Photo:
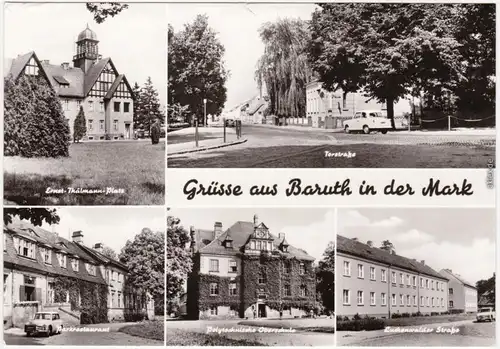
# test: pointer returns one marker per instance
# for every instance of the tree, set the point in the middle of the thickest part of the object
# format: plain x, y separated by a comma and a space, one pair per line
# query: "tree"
35, 215
144, 257
109, 252
146, 106
103, 10
196, 68
80, 126
179, 261
34, 122
386, 50
325, 278
387, 245
284, 66
155, 132
486, 288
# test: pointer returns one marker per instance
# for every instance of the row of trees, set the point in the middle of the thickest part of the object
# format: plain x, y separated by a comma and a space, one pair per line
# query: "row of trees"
196, 71
389, 51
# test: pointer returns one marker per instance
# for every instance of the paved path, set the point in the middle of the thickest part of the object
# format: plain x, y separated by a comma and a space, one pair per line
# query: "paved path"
16, 336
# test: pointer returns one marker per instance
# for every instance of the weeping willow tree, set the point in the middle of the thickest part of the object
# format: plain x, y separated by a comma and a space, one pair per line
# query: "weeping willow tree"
284, 68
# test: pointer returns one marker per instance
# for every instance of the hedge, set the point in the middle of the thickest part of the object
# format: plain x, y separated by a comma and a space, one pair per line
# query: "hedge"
365, 324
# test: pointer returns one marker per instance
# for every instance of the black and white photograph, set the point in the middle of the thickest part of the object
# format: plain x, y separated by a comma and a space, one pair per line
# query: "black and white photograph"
331, 85
84, 104
250, 277
416, 277
84, 276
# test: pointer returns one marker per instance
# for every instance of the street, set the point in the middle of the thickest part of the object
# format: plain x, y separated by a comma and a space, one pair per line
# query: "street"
294, 148
469, 334
16, 336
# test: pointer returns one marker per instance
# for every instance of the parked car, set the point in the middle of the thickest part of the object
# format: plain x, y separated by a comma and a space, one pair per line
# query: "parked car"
485, 314
367, 121
44, 322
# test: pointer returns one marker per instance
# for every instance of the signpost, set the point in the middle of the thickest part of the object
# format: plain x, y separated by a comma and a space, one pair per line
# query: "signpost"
205, 123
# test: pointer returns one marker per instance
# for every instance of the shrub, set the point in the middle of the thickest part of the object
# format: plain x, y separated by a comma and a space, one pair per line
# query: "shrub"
396, 316
79, 127
34, 122
361, 325
405, 315
155, 133
356, 317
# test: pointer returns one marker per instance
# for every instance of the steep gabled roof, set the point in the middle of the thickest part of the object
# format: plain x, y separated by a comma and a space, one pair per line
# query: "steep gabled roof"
240, 233
450, 275
102, 258
74, 76
93, 74
115, 85
17, 65
359, 249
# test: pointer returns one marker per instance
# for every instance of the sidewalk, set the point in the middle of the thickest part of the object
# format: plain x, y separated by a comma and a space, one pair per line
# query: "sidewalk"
300, 128
454, 132
355, 337
207, 144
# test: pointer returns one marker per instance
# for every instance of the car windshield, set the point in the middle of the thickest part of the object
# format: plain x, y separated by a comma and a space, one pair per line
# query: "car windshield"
43, 316
485, 310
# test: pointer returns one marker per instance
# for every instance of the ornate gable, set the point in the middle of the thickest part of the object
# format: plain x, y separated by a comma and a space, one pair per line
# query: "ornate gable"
104, 81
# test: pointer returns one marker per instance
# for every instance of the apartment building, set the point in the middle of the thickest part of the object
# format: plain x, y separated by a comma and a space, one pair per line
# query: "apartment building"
378, 282
462, 295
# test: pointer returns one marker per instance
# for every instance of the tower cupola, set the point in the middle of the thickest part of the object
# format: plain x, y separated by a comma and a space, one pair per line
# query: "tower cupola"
87, 50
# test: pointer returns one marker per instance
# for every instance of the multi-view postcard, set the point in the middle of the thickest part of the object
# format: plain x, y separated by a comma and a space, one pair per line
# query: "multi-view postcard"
331, 85
84, 104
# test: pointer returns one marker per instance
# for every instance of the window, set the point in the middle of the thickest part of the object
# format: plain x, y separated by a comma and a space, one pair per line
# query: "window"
422, 301
288, 268
262, 277
415, 301
25, 248
214, 289
115, 125
414, 281
408, 280
442, 302
252, 245
421, 283
302, 269
432, 301
91, 269
393, 299
393, 277
427, 283
62, 260
401, 279
91, 105
46, 255
383, 298
65, 104
213, 310
116, 107
450, 291
372, 298
408, 300
113, 275
287, 290
401, 299
451, 304
372, 273
361, 271
233, 268
91, 124
101, 107
101, 124
432, 284
259, 245
232, 288
74, 264
347, 268
360, 298
303, 291
346, 297
126, 107
428, 301
214, 265
383, 275
113, 299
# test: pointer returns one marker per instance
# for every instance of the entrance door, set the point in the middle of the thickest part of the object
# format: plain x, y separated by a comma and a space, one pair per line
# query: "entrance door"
262, 310
127, 131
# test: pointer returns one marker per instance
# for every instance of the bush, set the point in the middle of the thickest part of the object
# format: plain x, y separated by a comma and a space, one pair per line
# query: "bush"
361, 325
155, 133
396, 316
405, 315
34, 122
79, 127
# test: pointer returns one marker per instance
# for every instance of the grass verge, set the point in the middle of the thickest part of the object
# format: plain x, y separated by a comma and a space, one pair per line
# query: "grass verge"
147, 329
184, 338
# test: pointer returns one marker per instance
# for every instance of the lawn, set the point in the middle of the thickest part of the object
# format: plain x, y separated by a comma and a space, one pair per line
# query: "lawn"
135, 169
324, 325
177, 337
146, 329
424, 320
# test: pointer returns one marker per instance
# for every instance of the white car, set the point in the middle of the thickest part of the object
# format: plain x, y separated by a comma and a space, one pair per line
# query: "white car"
368, 120
44, 322
485, 314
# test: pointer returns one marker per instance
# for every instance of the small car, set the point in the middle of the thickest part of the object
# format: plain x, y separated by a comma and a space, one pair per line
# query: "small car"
46, 323
485, 314
367, 121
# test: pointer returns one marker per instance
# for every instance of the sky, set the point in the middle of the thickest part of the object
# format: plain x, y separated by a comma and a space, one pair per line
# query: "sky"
310, 229
135, 39
462, 240
237, 26
112, 226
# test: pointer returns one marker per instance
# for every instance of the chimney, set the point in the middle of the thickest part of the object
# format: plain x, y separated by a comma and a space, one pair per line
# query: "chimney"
77, 236
65, 65
217, 230
45, 61
98, 247
422, 261
354, 239
369, 243
281, 236
255, 220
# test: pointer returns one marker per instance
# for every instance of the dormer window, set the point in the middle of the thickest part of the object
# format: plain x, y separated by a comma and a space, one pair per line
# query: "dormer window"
46, 255
91, 269
74, 264
62, 260
302, 269
24, 248
229, 244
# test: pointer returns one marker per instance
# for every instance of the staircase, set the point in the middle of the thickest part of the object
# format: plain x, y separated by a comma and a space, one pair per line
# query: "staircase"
68, 317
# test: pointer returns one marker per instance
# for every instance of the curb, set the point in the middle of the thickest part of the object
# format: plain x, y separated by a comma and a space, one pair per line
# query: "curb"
206, 148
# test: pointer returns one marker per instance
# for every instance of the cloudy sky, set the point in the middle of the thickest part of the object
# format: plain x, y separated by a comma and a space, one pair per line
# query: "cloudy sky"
308, 228
135, 39
462, 240
112, 226
238, 25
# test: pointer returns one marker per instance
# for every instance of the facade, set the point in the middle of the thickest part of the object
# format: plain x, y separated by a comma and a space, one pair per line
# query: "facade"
254, 111
326, 109
92, 82
247, 272
43, 271
462, 295
376, 282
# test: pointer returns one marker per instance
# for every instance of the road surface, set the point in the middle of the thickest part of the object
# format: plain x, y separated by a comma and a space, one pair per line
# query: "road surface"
291, 148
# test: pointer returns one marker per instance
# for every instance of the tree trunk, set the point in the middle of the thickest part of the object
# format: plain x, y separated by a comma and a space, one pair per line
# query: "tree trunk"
390, 111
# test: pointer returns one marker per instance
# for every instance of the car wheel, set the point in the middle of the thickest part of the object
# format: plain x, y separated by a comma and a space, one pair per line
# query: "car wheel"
28, 334
49, 332
59, 329
346, 129
384, 132
366, 129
